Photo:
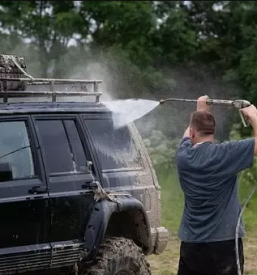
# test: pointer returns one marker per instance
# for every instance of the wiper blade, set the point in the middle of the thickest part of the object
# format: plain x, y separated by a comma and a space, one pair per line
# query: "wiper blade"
14, 151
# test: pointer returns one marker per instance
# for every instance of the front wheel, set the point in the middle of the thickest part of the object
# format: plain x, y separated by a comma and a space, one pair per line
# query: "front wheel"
119, 256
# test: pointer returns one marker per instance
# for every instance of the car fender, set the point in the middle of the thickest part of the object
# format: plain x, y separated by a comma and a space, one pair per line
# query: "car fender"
99, 218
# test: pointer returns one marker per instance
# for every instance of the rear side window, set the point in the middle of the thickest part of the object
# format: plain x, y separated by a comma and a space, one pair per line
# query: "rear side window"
62, 146
15, 149
115, 147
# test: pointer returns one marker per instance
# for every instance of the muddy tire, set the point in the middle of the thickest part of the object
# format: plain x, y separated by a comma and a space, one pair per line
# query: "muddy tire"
119, 256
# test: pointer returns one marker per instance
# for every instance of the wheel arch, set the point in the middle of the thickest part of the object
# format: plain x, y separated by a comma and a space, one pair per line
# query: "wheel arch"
127, 218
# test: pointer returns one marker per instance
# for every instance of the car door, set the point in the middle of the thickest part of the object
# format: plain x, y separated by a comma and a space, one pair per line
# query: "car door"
67, 162
120, 158
23, 198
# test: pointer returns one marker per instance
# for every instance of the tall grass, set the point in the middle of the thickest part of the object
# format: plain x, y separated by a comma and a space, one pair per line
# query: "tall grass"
172, 199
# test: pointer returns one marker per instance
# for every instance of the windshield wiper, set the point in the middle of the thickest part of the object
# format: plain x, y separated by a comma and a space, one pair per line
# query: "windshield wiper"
14, 151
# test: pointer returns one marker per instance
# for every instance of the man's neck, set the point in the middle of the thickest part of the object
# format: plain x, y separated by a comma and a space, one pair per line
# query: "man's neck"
203, 139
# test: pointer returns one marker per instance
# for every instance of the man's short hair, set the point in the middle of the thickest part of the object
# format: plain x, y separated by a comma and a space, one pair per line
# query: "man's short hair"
203, 123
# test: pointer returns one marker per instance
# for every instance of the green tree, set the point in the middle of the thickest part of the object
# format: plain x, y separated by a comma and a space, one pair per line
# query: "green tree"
49, 25
126, 24
162, 150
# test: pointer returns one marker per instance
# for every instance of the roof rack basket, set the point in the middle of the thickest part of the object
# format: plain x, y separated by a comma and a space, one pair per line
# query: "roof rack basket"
83, 84
14, 81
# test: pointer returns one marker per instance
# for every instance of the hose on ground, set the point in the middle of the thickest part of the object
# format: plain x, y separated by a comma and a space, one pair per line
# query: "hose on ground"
238, 226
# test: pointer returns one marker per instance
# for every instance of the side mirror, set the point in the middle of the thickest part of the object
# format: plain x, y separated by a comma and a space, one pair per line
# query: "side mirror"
5, 172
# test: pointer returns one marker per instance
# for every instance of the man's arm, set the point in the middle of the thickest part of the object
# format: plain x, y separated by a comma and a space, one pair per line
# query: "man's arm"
187, 133
238, 155
255, 137
251, 114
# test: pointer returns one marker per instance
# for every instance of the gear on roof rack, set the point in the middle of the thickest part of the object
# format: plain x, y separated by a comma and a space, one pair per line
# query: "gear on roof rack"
12, 67
14, 81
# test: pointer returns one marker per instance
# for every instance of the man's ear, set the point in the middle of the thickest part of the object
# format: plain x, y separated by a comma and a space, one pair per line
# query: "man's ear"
191, 133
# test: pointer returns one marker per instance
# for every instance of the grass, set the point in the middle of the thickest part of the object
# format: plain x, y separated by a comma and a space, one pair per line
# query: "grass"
172, 207
172, 200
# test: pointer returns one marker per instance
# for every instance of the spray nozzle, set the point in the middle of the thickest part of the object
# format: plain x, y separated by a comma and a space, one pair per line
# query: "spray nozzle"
239, 104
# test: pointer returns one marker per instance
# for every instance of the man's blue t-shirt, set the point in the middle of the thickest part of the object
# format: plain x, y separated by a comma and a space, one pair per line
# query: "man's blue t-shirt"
208, 178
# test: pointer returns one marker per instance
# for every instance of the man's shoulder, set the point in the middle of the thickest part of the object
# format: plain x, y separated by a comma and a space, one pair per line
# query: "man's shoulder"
236, 144
237, 154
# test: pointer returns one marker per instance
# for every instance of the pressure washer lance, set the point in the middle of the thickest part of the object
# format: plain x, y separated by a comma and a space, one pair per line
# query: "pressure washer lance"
238, 104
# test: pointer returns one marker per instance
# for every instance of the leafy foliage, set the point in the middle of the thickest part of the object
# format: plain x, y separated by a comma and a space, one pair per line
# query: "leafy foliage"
162, 150
49, 25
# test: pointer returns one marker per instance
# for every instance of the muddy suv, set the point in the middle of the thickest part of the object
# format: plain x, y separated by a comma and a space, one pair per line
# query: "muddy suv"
76, 193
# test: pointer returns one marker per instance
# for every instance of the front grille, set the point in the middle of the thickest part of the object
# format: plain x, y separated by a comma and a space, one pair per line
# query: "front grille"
25, 259
65, 254
29, 258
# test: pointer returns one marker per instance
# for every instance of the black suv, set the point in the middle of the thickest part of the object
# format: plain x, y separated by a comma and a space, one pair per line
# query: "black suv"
76, 194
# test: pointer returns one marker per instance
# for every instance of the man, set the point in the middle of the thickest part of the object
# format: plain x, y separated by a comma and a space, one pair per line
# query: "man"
208, 178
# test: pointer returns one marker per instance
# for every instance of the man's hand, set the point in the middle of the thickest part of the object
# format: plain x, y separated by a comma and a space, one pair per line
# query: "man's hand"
250, 113
202, 105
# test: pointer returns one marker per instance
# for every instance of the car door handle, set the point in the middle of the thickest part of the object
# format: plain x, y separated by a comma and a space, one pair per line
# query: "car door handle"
38, 190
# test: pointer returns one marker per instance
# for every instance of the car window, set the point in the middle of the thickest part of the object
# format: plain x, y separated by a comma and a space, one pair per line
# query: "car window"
62, 146
15, 149
115, 147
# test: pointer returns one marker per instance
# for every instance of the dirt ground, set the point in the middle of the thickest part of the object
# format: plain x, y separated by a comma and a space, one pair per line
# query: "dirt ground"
166, 263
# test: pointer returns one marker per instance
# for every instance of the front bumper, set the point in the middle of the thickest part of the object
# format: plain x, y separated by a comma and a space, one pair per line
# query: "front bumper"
159, 238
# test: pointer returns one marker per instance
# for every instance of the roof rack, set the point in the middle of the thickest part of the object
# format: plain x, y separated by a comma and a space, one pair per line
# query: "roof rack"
14, 81
53, 91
